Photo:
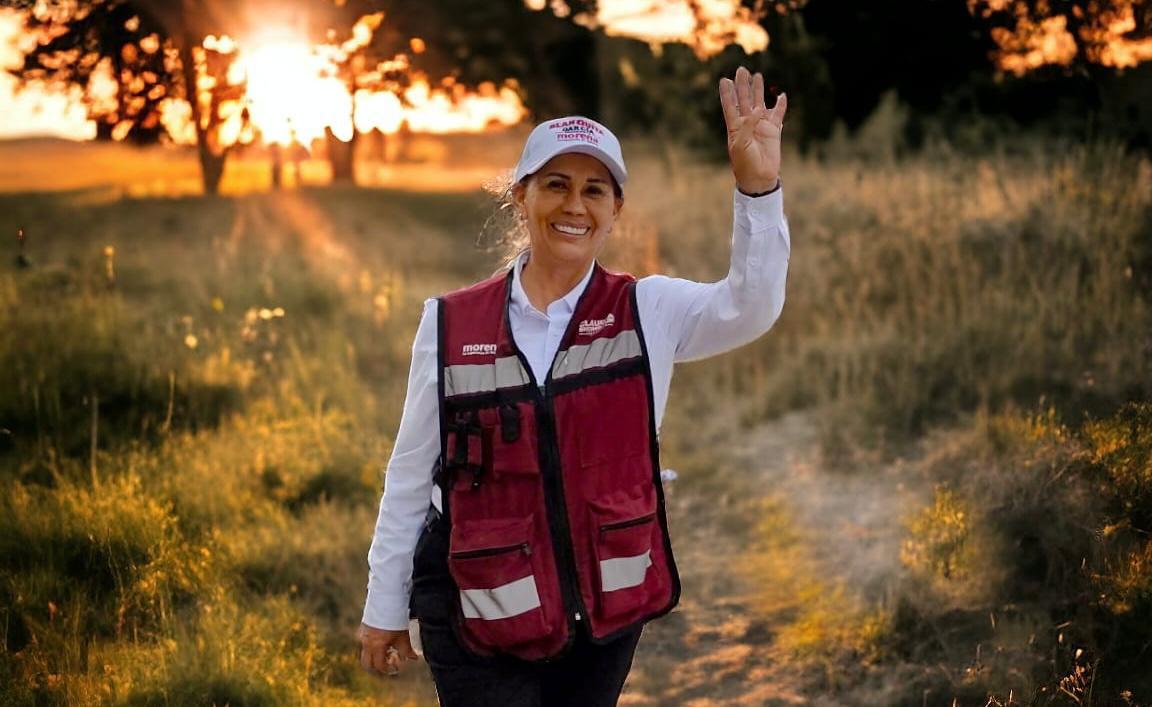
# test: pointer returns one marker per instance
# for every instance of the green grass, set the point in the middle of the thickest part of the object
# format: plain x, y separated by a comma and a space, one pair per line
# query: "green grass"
196, 422
194, 446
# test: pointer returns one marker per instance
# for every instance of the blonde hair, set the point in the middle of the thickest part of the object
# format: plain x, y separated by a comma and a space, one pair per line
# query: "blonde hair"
504, 232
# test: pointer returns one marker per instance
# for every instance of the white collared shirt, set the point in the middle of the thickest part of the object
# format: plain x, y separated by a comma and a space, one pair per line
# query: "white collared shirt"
537, 333
681, 320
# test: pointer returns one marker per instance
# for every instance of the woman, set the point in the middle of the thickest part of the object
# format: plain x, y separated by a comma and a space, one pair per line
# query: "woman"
545, 548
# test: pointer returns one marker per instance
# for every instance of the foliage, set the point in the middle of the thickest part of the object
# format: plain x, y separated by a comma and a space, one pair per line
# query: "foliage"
939, 538
1059, 586
1032, 33
129, 47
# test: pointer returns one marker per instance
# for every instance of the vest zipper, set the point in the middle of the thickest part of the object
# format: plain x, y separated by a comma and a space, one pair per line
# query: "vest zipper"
485, 552
564, 548
621, 524
550, 468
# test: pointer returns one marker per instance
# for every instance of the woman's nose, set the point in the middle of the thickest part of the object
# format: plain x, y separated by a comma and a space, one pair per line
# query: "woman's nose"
574, 202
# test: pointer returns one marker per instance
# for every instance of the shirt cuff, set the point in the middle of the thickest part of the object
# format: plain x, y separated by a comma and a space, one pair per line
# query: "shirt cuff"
385, 611
761, 212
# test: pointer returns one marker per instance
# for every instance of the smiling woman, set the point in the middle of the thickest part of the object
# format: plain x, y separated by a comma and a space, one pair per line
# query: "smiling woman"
523, 521
569, 206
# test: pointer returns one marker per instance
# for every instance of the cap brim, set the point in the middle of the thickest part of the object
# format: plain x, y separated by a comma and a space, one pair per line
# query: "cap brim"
617, 170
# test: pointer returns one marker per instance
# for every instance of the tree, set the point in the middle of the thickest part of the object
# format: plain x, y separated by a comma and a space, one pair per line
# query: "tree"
1076, 33
151, 53
98, 44
474, 41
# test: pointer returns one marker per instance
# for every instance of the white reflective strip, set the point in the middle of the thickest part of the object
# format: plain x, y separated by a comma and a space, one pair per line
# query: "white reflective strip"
501, 602
599, 353
623, 572
465, 378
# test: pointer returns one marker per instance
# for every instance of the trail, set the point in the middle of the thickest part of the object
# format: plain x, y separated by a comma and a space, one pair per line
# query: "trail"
717, 647
287, 220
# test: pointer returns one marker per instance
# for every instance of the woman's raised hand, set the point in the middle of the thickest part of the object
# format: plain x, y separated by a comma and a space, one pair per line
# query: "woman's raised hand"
753, 131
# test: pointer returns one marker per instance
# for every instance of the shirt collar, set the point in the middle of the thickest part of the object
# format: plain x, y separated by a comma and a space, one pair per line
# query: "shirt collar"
567, 303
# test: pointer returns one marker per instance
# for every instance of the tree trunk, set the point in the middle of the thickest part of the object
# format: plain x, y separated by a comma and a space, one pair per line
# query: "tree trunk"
211, 168
277, 165
340, 156
211, 163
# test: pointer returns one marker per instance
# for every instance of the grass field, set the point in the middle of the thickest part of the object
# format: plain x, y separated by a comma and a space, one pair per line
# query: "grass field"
930, 482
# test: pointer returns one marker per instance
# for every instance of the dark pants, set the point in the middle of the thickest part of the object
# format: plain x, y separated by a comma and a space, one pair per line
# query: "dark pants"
588, 675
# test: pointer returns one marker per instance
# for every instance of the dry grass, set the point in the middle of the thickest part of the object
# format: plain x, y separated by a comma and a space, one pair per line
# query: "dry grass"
196, 423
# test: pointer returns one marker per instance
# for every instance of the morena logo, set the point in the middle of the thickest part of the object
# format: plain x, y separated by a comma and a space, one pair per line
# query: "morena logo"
479, 350
577, 129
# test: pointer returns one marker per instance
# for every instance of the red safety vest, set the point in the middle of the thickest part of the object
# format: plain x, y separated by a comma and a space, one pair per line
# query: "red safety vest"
553, 489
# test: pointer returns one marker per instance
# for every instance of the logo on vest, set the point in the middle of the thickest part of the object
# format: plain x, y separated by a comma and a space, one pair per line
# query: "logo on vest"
479, 350
591, 327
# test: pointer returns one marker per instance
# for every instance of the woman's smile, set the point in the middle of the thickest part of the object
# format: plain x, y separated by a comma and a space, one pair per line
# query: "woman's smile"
571, 229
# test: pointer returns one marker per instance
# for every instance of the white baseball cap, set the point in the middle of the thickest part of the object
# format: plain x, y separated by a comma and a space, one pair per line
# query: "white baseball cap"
574, 133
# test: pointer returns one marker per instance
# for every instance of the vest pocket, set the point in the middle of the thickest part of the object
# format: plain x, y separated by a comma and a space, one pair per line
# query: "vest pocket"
495, 570
613, 419
624, 529
510, 439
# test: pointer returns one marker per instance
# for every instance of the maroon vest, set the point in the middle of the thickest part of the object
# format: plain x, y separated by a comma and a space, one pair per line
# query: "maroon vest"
552, 488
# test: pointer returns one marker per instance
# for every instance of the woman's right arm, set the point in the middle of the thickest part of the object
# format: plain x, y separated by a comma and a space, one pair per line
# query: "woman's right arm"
407, 487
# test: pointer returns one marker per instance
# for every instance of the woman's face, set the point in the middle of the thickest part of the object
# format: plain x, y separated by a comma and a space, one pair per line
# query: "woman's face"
569, 206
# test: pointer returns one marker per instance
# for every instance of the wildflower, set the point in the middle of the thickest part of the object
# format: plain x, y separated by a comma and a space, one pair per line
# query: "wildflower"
110, 264
22, 260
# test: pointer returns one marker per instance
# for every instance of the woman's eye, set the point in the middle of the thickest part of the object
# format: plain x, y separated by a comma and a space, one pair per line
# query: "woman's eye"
594, 191
556, 184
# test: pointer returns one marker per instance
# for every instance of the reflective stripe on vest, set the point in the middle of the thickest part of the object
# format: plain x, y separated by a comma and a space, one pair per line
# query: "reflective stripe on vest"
624, 572
598, 354
468, 379
501, 602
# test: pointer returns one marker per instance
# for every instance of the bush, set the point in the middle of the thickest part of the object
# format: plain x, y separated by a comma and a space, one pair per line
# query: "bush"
1061, 582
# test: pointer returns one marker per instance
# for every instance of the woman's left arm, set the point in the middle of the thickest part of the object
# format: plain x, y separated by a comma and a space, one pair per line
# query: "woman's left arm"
703, 319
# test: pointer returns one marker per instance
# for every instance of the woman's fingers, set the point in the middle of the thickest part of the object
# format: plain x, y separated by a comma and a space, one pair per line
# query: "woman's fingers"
406, 651
374, 658
758, 91
383, 651
744, 91
778, 111
392, 661
728, 103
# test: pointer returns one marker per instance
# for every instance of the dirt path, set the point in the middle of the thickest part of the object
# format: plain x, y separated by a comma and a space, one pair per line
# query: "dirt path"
715, 649
287, 220
718, 647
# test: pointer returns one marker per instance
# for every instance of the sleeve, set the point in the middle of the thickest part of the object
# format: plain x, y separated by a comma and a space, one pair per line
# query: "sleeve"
704, 319
407, 487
